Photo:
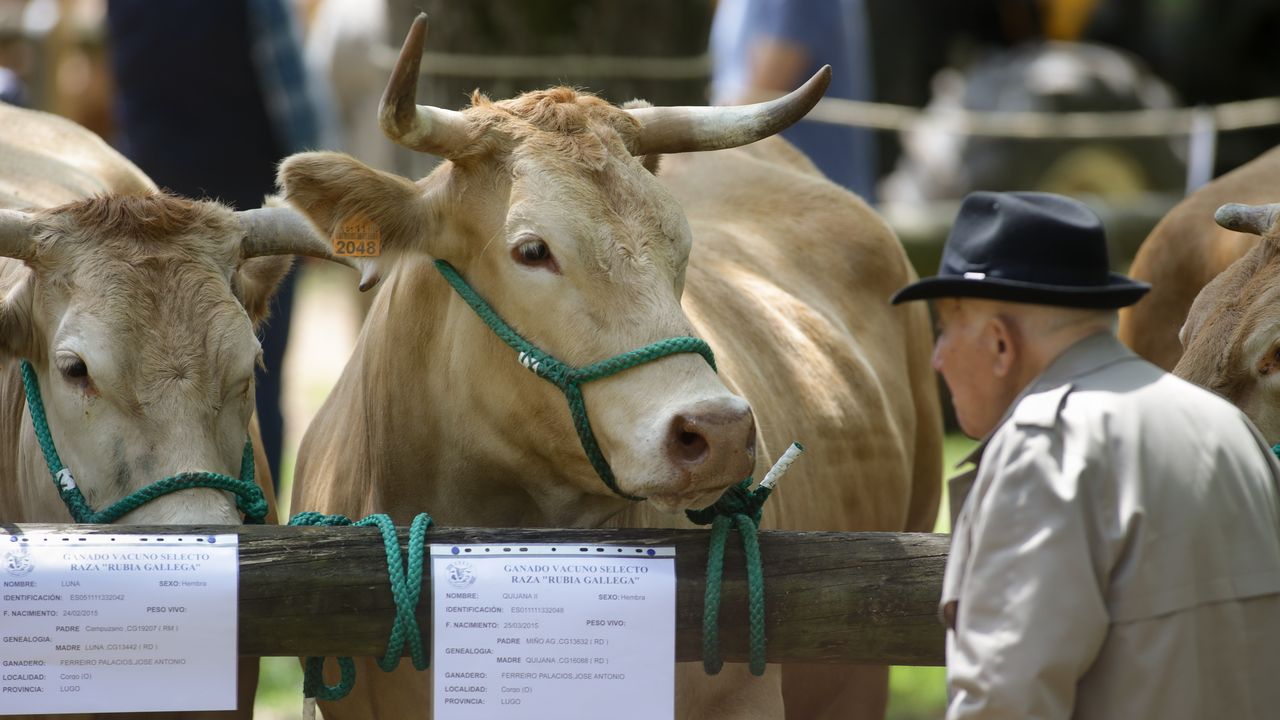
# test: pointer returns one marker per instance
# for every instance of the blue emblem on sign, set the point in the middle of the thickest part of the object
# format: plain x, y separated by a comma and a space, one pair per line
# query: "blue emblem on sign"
17, 561
461, 574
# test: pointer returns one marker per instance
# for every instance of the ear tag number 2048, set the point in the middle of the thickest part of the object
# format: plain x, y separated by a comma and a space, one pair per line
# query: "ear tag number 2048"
357, 236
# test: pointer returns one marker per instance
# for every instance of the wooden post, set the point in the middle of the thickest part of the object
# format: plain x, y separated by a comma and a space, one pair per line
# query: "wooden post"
830, 597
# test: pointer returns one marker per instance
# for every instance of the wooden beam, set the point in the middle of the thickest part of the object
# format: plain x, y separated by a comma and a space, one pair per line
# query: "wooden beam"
830, 597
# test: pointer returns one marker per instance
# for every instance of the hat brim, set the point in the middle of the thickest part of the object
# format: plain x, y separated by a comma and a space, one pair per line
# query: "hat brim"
1121, 291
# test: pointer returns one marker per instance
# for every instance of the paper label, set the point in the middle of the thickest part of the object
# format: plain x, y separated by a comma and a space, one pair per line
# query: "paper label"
553, 631
357, 236
117, 623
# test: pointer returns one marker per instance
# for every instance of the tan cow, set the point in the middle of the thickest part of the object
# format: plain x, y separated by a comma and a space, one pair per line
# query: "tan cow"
137, 311
552, 208
1185, 251
1231, 337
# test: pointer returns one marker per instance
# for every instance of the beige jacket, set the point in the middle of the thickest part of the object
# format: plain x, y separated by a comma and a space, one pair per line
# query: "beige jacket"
1118, 555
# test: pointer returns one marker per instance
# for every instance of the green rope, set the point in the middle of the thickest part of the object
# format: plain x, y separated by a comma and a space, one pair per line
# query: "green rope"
739, 507
406, 588
568, 378
249, 497
406, 575
1275, 449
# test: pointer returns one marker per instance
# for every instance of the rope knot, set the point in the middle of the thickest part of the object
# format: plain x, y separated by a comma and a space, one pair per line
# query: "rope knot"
530, 362
405, 575
545, 367
739, 507
739, 499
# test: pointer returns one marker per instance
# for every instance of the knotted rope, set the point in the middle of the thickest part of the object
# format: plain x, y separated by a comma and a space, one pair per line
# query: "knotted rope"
406, 587
249, 497
739, 507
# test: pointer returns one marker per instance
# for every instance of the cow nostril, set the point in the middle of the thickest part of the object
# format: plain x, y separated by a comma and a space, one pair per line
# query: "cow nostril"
693, 447
688, 446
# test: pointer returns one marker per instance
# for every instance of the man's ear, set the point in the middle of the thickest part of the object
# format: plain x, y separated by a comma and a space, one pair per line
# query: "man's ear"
1002, 335
17, 325
256, 282
336, 191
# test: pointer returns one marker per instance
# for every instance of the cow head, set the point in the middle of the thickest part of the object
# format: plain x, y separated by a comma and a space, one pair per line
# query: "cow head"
138, 316
1231, 338
550, 209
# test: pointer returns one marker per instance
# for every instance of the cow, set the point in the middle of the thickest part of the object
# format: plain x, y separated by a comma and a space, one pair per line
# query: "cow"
137, 311
1231, 339
553, 208
1186, 250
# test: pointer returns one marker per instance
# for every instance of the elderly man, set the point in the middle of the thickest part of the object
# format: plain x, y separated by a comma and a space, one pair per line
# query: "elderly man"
1116, 552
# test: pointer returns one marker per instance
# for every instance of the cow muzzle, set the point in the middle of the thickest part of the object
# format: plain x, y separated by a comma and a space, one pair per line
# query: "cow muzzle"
711, 445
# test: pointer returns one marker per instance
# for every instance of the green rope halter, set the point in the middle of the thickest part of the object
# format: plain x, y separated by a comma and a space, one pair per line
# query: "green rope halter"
738, 506
406, 587
249, 498
568, 378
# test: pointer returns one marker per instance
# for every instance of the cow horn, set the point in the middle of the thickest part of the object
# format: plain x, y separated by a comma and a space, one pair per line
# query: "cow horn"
1256, 219
15, 235
419, 127
283, 231
689, 129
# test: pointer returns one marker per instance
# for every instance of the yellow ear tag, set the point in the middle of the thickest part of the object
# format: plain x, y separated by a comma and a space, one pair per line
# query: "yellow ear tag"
357, 236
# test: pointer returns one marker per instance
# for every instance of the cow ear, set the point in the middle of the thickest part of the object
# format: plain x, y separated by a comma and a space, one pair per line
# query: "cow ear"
256, 282
336, 192
17, 329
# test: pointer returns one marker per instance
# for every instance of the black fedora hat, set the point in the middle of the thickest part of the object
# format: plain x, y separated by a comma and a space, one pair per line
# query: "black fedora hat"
1027, 247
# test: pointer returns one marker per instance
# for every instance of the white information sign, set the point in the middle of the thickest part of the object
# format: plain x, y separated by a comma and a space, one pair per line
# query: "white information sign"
553, 631
117, 623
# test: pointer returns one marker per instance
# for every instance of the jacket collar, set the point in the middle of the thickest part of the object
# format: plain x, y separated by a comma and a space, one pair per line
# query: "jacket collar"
1085, 356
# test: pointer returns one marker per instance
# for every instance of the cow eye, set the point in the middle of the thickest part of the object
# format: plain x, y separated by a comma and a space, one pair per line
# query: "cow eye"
72, 367
533, 252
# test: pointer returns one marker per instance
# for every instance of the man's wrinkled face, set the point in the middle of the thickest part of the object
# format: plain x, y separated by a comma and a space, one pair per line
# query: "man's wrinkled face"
967, 354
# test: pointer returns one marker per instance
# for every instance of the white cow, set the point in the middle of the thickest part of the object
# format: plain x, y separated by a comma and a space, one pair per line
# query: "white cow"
552, 207
137, 312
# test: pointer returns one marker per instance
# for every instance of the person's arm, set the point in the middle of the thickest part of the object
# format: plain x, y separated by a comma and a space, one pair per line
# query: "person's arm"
1031, 613
777, 65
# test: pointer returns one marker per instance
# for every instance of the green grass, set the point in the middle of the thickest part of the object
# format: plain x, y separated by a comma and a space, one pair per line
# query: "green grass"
279, 689
920, 693
915, 693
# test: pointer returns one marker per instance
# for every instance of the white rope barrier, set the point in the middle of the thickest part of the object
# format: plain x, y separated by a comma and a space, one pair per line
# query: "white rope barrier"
1174, 122
1239, 115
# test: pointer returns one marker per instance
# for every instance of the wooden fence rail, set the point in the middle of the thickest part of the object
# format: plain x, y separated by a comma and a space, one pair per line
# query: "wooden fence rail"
830, 597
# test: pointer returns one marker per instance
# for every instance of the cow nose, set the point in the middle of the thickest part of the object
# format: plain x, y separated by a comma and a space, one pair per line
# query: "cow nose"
714, 441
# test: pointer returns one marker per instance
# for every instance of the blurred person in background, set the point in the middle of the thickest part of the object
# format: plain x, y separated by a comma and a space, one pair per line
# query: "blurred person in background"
768, 47
210, 97
11, 88
341, 41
